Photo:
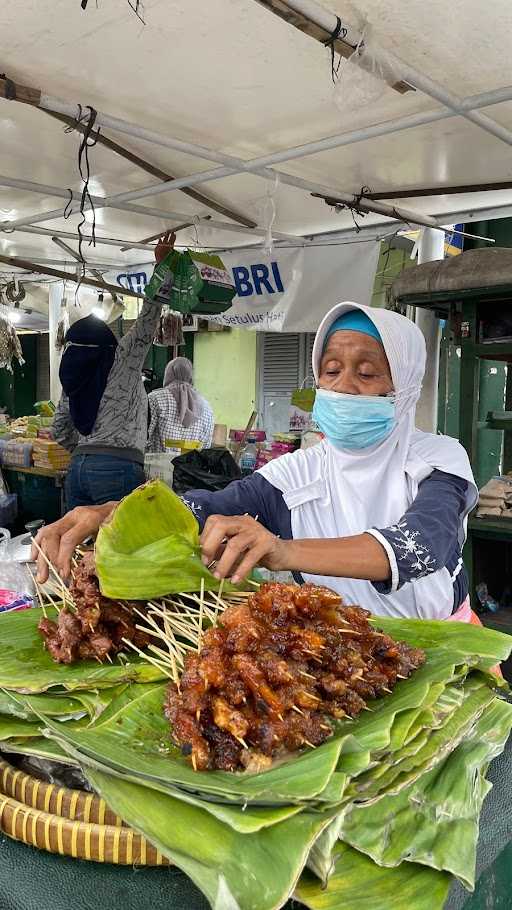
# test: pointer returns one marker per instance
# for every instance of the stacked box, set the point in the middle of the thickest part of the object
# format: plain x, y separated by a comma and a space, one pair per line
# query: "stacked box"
50, 455
16, 453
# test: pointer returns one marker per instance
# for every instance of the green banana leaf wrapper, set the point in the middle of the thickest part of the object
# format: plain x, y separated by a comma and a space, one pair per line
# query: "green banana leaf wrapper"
385, 811
150, 548
383, 814
26, 667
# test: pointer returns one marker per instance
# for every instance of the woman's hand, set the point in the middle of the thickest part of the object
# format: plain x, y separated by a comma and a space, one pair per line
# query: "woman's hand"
233, 546
58, 540
165, 245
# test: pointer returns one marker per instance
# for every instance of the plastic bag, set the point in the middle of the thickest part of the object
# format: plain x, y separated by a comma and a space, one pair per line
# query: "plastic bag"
169, 332
209, 469
364, 78
58, 773
16, 586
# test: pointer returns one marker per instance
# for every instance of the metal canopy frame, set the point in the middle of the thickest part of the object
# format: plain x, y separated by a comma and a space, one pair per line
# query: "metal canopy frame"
322, 22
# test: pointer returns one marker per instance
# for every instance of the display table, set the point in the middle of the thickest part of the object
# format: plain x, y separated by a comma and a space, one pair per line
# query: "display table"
33, 880
40, 492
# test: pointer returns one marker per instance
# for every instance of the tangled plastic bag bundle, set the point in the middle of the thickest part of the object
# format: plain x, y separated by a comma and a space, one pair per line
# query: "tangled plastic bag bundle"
169, 332
365, 77
10, 346
53, 772
16, 584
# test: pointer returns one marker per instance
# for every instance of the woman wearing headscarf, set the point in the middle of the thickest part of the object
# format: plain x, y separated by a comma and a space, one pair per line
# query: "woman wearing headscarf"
102, 414
178, 412
377, 510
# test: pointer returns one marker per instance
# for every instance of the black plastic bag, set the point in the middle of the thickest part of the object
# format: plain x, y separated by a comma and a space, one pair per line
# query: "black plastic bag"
208, 469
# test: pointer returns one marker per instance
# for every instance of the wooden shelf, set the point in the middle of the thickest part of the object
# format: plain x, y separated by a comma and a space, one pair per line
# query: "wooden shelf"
40, 472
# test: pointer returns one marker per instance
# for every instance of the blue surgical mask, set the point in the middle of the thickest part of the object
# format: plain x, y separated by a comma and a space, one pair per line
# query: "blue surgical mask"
353, 421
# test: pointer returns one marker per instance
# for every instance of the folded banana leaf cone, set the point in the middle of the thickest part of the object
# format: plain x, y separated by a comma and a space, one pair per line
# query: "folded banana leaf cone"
150, 548
383, 814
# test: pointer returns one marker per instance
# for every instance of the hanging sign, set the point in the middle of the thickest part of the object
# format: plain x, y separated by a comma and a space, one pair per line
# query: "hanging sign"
285, 290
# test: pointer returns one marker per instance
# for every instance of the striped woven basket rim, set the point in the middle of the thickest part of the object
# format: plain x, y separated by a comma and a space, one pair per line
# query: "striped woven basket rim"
77, 805
70, 822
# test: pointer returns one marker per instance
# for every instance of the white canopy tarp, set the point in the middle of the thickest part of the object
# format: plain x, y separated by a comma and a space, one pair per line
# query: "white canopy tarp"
231, 77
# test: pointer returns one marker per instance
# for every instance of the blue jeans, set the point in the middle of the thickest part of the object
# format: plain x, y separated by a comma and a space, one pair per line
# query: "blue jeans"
95, 479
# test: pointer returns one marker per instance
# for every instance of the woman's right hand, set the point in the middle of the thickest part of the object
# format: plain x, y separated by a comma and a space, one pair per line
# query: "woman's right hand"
165, 245
59, 540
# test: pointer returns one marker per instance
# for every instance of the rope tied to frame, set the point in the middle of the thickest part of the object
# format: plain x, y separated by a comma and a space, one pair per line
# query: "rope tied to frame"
135, 5
339, 31
354, 207
86, 202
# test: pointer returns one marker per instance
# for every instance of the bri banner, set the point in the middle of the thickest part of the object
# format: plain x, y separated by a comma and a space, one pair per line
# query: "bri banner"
286, 290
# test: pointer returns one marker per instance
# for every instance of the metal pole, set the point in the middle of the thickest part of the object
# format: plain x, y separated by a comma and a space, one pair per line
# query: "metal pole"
368, 58
72, 235
67, 276
430, 248
55, 293
109, 202
260, 164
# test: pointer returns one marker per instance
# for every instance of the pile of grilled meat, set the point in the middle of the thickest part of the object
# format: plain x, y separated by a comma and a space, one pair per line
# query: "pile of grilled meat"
91, 626
274, 672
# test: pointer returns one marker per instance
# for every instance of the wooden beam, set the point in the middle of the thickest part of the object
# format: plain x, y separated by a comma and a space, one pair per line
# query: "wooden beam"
155, 171
21, 92
33, 96
76, 256
302, 23
66, 276
440, 190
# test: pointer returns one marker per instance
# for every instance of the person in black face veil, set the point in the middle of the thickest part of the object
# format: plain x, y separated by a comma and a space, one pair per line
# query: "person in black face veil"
102, 416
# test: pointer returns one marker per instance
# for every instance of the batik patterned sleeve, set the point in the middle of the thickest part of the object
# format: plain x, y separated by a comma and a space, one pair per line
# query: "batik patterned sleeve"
428, 535
136, 342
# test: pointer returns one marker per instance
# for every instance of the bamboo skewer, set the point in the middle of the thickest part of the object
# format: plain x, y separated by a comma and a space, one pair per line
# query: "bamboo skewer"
48, 562
40, 599
160, 666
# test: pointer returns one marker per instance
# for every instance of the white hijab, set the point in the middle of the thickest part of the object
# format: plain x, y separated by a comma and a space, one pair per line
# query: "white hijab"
338, 493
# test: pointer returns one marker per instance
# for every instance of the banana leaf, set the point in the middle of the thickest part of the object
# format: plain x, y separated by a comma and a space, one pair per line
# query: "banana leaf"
434, 821
246, 819
14, 726
26, 667
94, 701
235, 871
26, 707
360, 884
412, 762
150, 548
486, 646
38, 746
132, 737
371, 736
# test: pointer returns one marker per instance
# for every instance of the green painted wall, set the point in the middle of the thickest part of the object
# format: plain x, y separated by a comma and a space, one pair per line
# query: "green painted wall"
225, 373
391, 263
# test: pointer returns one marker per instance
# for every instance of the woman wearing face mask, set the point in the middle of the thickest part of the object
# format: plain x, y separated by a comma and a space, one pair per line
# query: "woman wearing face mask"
376, 511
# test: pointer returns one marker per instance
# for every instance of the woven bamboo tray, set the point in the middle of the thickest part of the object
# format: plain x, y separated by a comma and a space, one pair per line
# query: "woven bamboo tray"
69, 822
